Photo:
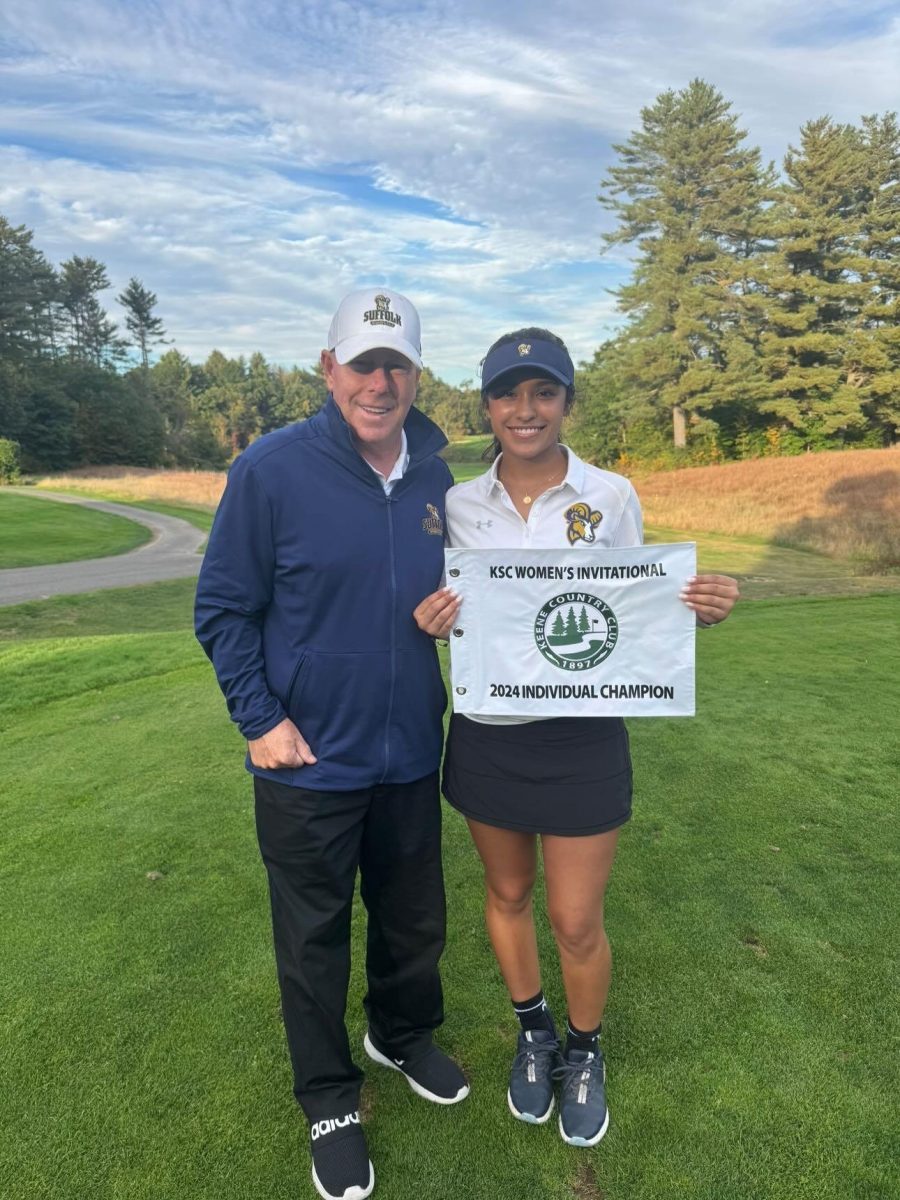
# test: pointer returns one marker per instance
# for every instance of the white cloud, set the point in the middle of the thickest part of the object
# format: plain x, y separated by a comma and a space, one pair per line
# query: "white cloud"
232, 156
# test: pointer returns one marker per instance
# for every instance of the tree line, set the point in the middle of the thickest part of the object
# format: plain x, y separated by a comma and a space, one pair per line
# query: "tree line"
761, 317
762, 310
77, 389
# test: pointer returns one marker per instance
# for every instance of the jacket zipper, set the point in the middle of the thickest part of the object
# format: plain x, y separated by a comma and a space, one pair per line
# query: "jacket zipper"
393, 638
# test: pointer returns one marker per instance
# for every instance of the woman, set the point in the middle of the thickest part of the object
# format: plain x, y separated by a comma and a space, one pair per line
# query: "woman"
566, 780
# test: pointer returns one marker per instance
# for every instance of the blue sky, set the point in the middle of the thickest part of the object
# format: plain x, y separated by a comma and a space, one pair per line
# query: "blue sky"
251, 162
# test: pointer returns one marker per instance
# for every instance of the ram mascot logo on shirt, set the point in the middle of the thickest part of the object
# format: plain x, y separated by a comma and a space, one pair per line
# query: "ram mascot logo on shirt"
582, 520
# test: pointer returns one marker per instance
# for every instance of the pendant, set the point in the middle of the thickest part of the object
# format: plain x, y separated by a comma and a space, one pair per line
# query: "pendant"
526, 499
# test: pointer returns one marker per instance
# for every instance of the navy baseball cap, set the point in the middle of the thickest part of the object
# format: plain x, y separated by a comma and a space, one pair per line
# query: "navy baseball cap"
535, 353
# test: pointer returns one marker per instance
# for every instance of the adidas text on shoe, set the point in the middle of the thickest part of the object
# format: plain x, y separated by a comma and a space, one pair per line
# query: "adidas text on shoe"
341, 1169
583, 1115
530, 1094
433, 1075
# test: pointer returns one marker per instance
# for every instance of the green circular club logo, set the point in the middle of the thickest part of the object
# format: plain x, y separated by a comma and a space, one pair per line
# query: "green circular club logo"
575, 631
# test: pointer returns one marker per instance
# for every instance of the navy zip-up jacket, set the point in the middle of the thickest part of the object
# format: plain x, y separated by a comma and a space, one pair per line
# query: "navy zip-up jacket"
305, 600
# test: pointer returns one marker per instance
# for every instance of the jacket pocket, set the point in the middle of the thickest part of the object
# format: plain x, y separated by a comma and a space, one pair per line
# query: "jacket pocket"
295, 686
338, 701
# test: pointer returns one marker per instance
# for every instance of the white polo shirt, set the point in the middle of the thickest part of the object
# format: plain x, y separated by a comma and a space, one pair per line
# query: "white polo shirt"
480, 513
599, 507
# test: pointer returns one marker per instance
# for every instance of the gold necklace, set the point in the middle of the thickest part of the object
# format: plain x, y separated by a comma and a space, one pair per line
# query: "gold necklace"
549, 482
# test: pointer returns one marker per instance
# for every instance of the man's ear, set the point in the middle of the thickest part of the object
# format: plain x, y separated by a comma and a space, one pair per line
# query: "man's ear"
327, 361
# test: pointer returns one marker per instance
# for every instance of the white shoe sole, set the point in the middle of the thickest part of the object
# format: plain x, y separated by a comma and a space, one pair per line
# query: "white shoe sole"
352, 1193
579, 1141
378, 1057
528, 1118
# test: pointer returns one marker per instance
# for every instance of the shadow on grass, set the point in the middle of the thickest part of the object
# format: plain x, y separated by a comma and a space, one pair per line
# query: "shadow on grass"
851, 549
860, 524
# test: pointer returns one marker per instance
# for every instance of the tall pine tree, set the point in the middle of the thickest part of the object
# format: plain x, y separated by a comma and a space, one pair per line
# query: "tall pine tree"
815, 295
145, 328
28, 288
873, 355
91, 336
689, 194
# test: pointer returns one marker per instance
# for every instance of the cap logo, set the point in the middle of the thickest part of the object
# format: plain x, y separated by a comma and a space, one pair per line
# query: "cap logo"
381, 314
524, 348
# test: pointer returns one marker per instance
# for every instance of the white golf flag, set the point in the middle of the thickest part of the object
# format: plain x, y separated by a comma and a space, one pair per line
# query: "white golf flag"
587, 633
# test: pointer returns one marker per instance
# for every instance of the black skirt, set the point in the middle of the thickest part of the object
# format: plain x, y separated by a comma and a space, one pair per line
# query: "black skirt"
569, 776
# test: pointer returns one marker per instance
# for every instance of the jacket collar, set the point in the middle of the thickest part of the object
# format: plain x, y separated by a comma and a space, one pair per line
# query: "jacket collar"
423, 437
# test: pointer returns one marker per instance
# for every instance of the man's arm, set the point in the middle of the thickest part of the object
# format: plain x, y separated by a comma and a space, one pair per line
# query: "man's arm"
234, 588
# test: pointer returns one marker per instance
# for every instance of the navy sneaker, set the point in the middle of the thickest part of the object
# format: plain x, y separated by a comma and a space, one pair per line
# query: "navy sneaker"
583, 1115
530, 1095
432, 1074
340, 1159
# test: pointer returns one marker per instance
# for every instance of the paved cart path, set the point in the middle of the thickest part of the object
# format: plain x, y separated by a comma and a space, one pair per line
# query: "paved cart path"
171, 554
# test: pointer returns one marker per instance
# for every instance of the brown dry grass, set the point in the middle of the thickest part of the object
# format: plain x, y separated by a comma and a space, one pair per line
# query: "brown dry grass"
143, 483
844, 504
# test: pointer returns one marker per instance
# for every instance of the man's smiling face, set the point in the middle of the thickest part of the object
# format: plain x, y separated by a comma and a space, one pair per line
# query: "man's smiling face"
374, 393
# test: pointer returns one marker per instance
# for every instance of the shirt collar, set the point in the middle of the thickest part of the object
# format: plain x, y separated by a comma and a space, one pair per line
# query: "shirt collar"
399, 467
574, 477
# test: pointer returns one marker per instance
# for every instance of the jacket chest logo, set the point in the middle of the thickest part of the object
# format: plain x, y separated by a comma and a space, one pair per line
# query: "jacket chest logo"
581, 521
433, 523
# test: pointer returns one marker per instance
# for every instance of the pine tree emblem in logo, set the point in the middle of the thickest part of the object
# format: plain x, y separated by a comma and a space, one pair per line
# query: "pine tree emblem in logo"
575, 631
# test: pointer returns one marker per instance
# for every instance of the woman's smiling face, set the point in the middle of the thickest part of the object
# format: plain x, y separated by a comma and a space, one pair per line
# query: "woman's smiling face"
526, 413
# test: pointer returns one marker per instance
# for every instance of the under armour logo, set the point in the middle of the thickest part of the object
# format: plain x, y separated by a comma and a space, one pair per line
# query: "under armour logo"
483, 524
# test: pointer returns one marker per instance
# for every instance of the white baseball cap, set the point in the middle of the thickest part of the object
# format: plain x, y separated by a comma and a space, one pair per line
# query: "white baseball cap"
375, 319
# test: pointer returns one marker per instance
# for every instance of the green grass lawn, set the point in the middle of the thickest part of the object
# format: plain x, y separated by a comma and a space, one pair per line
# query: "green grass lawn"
752, 913
463, 471
33, 532
467, 449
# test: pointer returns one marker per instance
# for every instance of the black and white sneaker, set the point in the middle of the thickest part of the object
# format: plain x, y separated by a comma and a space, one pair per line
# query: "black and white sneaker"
340, 1159
433, 1074
530, 1095
583, 1115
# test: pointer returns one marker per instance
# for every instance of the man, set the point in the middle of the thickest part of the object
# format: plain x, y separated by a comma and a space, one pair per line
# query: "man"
328, 535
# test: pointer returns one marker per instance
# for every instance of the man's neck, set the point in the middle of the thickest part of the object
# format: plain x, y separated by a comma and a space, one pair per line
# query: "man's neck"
380, 458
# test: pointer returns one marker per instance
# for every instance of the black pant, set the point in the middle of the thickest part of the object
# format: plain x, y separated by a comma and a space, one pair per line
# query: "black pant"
312, 844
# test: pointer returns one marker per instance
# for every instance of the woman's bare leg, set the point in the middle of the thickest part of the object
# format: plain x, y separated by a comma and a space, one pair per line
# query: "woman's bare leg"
510, 863
576, 871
